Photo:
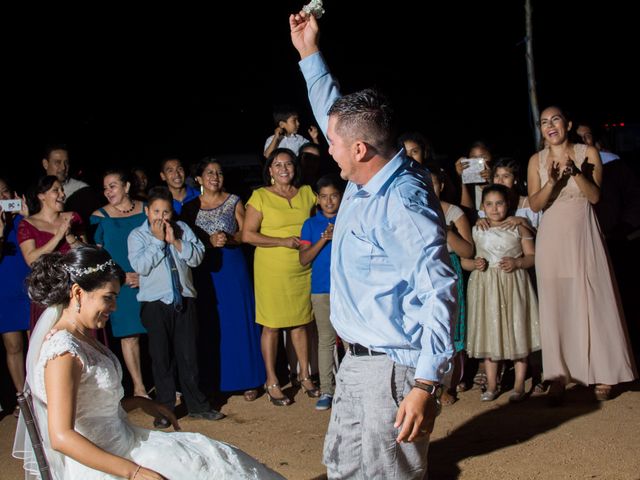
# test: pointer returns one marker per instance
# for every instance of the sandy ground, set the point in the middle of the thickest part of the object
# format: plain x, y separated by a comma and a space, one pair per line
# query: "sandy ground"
580, 440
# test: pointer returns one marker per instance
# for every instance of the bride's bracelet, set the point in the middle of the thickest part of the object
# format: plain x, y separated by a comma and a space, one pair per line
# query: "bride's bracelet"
133, 477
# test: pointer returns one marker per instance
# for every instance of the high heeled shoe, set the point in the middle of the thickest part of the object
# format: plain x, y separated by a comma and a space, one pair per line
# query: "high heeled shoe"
555, 395
311, 392
278, 401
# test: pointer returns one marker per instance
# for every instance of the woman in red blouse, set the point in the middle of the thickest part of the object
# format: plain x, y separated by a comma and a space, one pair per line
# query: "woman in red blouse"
47, 228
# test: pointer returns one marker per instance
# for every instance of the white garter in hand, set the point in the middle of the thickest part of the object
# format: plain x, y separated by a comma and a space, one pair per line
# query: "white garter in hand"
314, 7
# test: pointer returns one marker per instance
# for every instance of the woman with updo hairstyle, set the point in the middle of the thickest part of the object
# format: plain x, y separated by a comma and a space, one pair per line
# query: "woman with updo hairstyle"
54, 274
114, 222
75, 384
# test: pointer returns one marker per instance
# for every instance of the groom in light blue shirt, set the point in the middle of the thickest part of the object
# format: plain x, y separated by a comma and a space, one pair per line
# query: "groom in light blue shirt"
393, 295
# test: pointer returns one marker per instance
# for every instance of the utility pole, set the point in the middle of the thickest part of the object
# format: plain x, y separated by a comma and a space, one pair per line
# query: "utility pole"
531, 77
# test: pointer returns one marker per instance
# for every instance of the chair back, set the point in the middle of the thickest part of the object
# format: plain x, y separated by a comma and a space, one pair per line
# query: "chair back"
26, 409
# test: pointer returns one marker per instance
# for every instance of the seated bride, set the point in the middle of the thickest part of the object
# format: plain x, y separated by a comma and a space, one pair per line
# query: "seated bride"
77, 393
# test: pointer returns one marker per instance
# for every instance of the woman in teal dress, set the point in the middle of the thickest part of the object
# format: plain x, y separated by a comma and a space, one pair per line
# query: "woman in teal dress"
114, 222
460, 245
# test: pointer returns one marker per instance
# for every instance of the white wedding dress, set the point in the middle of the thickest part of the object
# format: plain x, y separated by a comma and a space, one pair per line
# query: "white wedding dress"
101, 419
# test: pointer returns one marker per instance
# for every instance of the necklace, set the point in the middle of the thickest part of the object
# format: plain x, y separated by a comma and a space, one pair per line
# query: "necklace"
129, 210
94, 343
86, 337
288, 195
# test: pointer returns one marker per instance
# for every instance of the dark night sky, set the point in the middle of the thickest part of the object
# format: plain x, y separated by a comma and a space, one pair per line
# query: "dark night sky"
134, 86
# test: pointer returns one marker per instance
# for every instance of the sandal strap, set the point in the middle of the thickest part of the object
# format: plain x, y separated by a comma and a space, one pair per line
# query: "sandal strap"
602, 388
269, 387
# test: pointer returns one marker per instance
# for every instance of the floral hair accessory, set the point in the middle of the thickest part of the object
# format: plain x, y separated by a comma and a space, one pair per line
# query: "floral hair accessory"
80, 272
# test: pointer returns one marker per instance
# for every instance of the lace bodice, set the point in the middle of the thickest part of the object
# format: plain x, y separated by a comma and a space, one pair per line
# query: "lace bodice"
100, 418
496, 243
99, 392
221, 218
568, 187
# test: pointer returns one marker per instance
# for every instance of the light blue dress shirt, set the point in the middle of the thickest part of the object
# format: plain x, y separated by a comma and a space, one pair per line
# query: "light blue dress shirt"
392, 285
147, 257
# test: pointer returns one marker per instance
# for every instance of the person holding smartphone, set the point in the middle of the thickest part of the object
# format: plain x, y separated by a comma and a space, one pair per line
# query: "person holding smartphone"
14, 314
471, 197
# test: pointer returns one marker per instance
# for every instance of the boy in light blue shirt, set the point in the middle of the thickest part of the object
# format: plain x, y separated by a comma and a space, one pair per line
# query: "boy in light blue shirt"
162, 252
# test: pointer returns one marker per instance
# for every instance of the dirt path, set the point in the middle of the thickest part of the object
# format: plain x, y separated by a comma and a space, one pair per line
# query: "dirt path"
472, 441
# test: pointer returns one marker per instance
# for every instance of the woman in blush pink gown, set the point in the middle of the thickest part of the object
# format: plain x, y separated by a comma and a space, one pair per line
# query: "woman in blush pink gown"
584, 337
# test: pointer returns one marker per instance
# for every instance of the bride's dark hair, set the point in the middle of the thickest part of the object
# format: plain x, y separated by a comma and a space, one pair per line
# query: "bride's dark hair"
53, 274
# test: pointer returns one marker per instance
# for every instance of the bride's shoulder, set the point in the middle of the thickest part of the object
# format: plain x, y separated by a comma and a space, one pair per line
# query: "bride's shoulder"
58, 342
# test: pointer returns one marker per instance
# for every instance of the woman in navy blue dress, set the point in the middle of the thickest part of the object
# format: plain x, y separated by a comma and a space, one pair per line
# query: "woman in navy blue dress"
225, 295
14, 314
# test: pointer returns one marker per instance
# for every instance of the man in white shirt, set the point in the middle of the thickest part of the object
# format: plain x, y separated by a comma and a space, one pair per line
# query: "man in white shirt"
56, 163
80, 197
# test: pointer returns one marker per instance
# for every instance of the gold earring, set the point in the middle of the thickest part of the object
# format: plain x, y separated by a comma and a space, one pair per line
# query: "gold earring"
273, 181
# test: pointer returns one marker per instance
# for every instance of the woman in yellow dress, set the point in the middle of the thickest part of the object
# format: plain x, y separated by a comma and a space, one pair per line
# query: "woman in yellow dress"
274, 218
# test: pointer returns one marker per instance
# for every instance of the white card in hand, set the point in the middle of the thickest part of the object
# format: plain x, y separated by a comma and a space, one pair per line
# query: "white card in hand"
471, 174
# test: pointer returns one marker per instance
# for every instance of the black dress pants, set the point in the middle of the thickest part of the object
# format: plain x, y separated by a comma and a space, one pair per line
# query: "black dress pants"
172, 346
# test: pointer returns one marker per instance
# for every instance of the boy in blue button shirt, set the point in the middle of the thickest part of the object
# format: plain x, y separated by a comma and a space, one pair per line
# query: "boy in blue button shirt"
315, 248
163, 252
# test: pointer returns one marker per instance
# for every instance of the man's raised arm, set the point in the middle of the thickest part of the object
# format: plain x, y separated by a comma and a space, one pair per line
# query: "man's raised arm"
321, 86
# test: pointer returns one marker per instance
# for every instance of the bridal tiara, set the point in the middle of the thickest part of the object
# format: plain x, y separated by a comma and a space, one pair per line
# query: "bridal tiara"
80, 272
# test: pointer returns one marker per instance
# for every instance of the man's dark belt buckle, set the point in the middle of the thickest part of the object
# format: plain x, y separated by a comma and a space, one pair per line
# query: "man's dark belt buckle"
360, 350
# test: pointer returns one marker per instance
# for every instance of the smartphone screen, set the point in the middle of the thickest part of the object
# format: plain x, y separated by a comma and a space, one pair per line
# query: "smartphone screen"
471, 174
11, 205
